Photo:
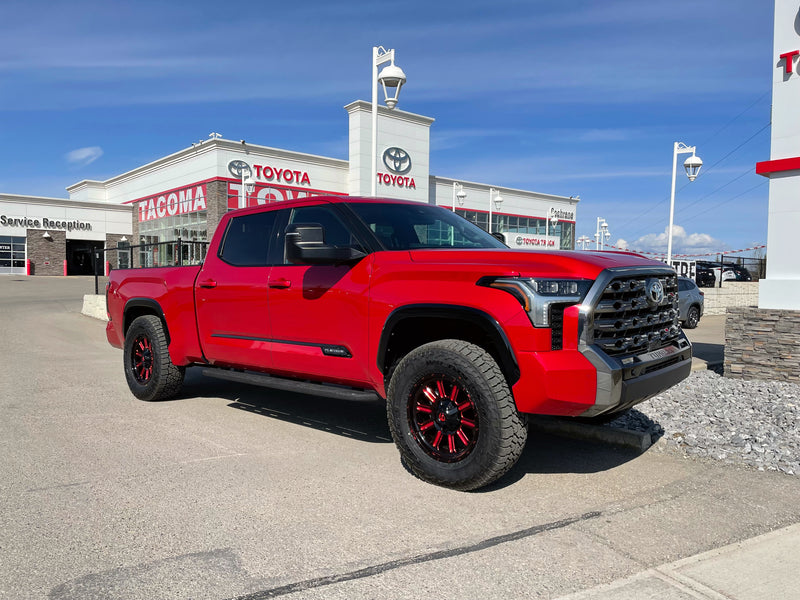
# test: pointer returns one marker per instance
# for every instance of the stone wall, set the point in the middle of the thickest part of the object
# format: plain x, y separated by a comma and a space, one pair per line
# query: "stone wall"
762, 344
47, 255
732, 294
216, 204
112, 255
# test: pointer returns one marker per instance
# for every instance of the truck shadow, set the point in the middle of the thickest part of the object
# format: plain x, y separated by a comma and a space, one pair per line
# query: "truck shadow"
364, 421
713, 354
544, 453
551, 454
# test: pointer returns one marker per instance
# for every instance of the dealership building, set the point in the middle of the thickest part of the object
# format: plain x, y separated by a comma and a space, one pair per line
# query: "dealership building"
185, 194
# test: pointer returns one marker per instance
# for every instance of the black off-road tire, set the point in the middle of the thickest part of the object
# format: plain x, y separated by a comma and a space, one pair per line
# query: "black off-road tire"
692, 318
452, 415
148, 369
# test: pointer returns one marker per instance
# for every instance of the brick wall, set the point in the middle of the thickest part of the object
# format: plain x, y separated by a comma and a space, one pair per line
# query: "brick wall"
47, 254
216, 204
762, 344
112, 241
732, 294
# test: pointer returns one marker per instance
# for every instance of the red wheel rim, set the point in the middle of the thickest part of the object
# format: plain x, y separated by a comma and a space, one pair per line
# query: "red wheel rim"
443, 418
142, 359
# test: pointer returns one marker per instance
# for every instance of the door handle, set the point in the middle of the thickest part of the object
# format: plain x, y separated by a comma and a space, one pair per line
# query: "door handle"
280, 283
208, 283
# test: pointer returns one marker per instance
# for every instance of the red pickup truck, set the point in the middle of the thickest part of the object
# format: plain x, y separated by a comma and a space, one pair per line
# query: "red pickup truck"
356, 298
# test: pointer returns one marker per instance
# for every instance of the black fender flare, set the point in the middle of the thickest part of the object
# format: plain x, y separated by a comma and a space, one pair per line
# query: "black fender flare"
474, 316
152, 306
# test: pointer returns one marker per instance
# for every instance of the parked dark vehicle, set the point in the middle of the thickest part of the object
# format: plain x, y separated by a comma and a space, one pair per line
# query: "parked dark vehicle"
708, 273
741, 273
704, 275
691, 303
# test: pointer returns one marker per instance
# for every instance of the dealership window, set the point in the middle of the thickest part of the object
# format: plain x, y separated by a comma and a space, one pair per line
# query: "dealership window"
12, 254
190, 227
567, 236
123, 255
516, 224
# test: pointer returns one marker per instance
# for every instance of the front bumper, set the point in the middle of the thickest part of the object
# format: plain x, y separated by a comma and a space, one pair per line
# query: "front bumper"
624, 383
585, 382
584, 378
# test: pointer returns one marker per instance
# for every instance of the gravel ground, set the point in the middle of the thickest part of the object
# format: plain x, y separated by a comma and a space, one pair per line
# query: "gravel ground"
750, 423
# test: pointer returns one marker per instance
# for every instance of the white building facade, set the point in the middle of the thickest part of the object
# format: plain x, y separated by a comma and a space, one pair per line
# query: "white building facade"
781, 288
184, 195
52, 236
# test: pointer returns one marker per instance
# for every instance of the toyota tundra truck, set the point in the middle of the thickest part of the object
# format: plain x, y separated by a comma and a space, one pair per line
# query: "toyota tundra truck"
357, 299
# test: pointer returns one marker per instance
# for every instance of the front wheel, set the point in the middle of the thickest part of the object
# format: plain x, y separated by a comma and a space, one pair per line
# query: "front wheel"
452, 415
148, 369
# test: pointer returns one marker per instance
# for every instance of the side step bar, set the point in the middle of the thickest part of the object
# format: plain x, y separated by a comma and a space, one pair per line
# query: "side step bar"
293, 385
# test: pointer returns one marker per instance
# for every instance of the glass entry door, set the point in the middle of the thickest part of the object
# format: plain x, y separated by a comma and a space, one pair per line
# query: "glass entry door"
12, 255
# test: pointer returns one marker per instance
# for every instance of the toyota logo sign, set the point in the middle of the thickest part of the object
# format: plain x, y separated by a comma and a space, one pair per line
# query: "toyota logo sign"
397, 160
237, 167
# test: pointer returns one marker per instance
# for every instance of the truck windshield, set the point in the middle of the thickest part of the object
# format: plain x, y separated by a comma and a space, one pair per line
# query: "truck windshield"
409, 227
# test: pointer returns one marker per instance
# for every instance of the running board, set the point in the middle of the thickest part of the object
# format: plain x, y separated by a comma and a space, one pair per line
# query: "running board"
311, 388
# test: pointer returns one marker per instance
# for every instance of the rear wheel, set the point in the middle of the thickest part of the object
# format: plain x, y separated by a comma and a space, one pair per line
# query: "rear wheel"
453, 417
692, 318
148, 369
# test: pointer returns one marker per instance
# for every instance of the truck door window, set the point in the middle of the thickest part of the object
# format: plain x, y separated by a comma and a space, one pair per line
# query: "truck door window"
247, 240
336, 232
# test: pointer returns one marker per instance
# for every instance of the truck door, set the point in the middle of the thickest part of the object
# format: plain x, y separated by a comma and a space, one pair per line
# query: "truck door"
231, 295
319, 312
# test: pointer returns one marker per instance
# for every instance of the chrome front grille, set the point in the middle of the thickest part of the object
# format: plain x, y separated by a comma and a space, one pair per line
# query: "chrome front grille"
628, 319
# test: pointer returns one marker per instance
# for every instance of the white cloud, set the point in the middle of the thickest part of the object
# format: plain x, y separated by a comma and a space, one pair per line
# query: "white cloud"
83, 156
682, 242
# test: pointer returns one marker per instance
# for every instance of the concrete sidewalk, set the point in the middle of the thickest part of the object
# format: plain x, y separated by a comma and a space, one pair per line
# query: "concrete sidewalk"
764, 567
708, 342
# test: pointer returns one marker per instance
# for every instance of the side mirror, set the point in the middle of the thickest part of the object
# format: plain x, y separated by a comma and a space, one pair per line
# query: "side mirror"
305, 245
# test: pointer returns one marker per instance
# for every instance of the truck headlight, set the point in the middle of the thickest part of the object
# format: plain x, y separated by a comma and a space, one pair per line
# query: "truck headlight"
536, 295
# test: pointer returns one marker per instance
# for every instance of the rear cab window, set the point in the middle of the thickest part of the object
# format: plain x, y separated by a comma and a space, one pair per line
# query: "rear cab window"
247, 239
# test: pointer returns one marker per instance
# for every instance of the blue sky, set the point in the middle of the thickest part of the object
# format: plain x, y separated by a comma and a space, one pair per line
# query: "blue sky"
581, 97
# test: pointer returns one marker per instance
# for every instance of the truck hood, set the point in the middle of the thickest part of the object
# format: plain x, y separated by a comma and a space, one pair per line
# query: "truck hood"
540, 263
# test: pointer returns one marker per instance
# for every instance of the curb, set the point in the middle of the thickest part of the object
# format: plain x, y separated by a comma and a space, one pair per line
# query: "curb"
636, 440
94, 306
759, 567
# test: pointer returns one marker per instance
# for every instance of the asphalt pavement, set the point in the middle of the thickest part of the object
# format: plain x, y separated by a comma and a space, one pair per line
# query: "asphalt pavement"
237, 492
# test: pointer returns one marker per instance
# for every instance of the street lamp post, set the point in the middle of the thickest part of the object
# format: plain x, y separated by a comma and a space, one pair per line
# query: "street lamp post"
601, 233
552, 220
458, 194
391, 78
498, 200
692, 166
583, 240
248, 185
